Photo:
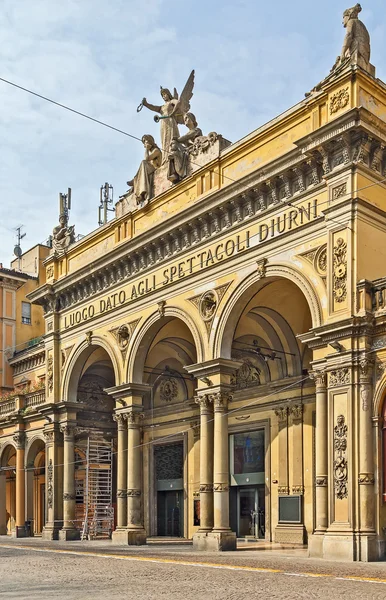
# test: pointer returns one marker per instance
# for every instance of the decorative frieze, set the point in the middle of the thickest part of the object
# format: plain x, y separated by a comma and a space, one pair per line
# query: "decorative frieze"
67, 496
340, 460
298, 490
339, 377
133, 493
283, 490
220, 487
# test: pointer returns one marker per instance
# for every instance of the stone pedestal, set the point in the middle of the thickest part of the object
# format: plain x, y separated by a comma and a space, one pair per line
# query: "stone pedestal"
290, 534
221, 541
127, 537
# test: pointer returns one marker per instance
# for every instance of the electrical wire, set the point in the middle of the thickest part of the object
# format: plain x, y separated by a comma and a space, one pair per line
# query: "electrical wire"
176, 433
81, 114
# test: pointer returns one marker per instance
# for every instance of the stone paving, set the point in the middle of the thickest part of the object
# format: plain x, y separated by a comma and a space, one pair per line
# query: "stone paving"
99, 570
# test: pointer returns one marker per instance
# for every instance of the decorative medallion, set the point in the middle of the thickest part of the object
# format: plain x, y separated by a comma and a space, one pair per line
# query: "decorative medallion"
247, 375
318, 258
123, 333
168, 389
207, 304
339, 100
340, 271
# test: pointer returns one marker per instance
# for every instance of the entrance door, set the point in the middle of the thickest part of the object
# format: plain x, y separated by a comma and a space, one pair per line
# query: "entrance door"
250, 511
170, 513
247, 507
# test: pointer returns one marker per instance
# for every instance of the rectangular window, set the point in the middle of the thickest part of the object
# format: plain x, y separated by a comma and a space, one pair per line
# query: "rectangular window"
247, 457
26, 313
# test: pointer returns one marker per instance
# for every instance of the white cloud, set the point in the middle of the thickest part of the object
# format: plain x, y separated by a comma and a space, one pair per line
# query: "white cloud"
252, 60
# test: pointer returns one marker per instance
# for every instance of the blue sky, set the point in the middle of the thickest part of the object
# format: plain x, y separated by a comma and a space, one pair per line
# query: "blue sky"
253, 59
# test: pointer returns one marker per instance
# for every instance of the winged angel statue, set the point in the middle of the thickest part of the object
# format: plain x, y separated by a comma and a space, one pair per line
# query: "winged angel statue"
172, 113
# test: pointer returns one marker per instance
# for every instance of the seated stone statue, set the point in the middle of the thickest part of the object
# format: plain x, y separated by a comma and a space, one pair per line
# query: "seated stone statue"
178, 161
142, 183
194, 131
62, 235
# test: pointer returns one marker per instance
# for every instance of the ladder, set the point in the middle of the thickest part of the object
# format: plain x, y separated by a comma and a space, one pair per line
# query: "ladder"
98, 493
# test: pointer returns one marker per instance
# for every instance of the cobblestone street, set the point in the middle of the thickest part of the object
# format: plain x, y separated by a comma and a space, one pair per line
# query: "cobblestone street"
97, 570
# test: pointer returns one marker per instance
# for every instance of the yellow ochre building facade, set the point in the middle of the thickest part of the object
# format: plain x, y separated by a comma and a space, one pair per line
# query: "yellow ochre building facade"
222, 340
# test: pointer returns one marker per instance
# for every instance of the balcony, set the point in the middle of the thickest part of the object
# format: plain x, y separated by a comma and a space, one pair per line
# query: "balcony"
378, 295
36, 398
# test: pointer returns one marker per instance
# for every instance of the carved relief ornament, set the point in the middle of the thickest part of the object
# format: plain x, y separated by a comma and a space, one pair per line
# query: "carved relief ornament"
340, 270
340, 460
50, 484
339, 377
282, 414
339, 100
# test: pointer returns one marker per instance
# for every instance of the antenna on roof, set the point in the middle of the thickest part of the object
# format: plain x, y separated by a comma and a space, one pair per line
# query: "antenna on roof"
106, 198
17, 249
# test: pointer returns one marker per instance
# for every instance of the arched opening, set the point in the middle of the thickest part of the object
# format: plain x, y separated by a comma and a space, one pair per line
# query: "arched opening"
262, 333
36, 486
95, 439
167, 348
8, 489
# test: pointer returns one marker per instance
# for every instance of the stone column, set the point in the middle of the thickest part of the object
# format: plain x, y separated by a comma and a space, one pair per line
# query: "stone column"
3, 513
69, 531
54, 484
321, 453
282, 417
366, 450
136, 531
19, 439
221, 537
121, 470
206, 470
315, 544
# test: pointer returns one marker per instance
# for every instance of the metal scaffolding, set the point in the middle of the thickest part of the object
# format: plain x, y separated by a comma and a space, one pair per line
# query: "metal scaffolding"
98, 493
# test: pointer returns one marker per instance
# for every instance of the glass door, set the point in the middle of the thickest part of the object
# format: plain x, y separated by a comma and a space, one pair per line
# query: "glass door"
247, 508
170, 513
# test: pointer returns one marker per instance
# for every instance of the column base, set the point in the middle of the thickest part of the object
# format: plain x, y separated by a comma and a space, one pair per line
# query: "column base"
50, 533
347, 547
315, 545
215, 541
289, 534
19, 532
69, 534
127, 537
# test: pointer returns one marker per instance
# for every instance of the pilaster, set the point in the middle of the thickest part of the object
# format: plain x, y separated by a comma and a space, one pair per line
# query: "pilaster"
54, 483
19, 439
69, 531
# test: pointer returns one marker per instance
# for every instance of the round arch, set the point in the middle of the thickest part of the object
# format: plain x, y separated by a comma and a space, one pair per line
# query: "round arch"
77, 359
32, 445
5, 450
379, 397
223, 334
139, 345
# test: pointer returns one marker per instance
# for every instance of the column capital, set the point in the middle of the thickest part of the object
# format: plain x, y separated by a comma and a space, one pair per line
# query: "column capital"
220, 400
282, 414
366, 365
296, 411
68, 430
19, 439
120, 418
133, 418
205, 401
319, 376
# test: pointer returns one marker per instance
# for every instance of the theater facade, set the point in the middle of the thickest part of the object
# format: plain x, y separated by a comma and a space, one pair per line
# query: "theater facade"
225, 336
